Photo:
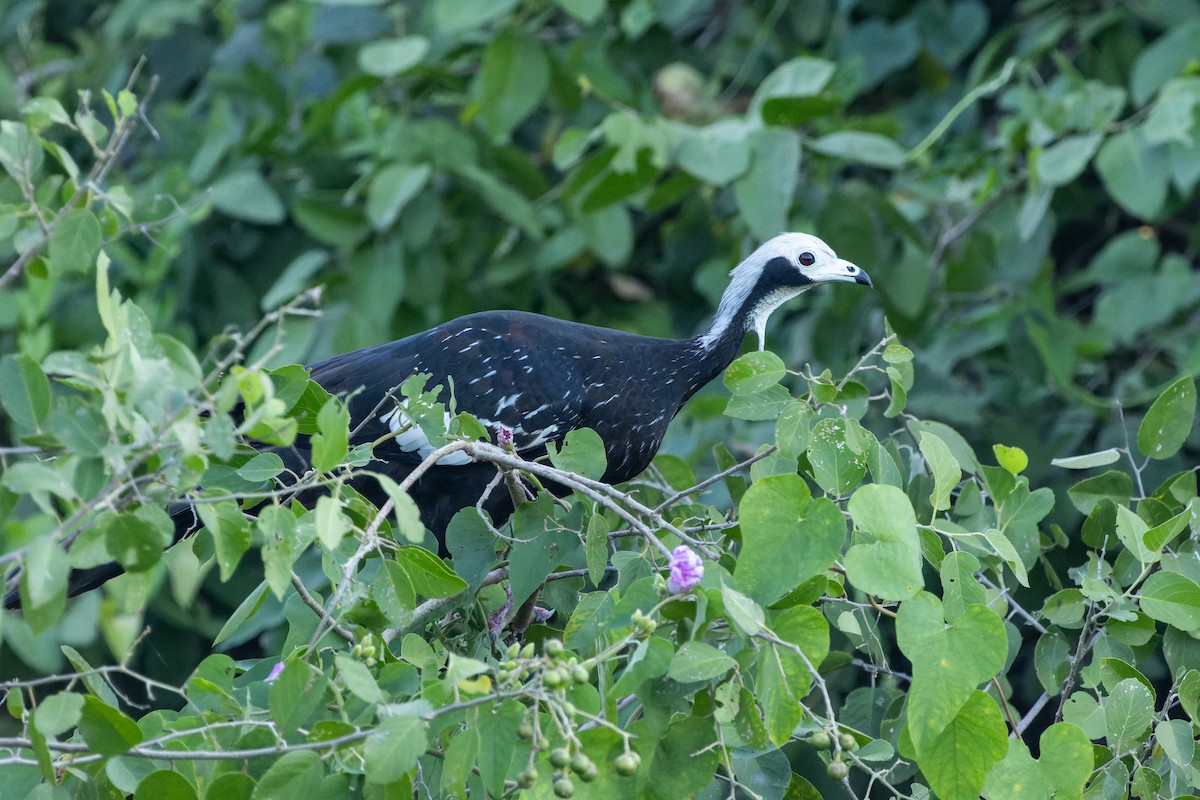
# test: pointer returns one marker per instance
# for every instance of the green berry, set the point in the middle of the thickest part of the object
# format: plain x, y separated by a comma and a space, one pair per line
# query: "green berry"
513, 650
579, 674
527, 651
590, 774
563, 787
821, 740
554, 647
627, 763
525, 730
527, 778
569, 710
848, 742
553, 678
580, 763
542, 744
838, 770
559, 757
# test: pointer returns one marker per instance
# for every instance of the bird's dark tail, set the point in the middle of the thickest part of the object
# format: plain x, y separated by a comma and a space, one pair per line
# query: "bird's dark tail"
186, 520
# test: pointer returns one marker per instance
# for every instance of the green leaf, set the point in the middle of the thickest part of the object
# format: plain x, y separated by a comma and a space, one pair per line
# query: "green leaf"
430, 576
1166, 57
137, 540
945, 468
784, 677
754, 372
872, 149
957, 760
293, 775
787, 537
678, 762
332, 440
230, 532
1112, 485
460, 758
1128, 711
743, 612
764, 194
651, 659
58, 713
949, 661
1175, 738
1100, 458
1131, 530
960, 588
245, 610
717, 154
105, 729
699, 661
765, 405
391, 190
885, 559
1012, 459
245, 195
166, 784
595, 548
294, 279
779, 698
24, 390
1172, 598
1063, 161
1168, 423
358, 678
44, 584
296, 695
511, 81
74, 242
1135, 172
589, 621
799, 78
582, 452
837, 465
394, 747
261, 467
386, 58
404, 509
793, 429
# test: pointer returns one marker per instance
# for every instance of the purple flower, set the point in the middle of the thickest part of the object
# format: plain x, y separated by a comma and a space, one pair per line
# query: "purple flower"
275, 672
504, 437
686, 570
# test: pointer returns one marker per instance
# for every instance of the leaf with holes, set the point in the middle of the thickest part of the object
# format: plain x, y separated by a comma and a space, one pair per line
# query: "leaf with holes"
1168, 423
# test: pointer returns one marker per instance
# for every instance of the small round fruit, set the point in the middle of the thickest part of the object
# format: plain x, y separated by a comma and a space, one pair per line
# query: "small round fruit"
559, 757
563, 787
554, 647
580, 763
821, 740
838, 770
527, 778
627, 763
848, 742
525, 730
590, 774
569, 710
579, 674
542, 744
552, 678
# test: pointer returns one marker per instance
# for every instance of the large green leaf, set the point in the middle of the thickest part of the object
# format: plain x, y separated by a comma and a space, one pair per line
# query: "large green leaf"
787, 537
885, 559
1168, 423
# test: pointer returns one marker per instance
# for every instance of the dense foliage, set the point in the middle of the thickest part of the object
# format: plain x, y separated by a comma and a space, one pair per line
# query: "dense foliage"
949, 531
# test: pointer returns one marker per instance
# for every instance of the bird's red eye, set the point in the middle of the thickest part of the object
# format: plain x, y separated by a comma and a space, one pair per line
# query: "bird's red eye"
807, 259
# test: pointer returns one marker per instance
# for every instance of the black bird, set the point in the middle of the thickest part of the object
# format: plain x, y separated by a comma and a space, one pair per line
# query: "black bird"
537, 378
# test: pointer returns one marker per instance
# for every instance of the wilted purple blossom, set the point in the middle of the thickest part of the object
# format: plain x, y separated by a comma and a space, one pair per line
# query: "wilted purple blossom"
275, 672
504, 437
686, 570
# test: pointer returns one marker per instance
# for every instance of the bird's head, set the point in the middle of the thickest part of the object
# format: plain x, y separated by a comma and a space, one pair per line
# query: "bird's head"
780, 269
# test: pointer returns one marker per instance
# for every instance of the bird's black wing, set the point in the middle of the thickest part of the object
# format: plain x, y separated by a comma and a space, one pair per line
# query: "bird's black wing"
503, 368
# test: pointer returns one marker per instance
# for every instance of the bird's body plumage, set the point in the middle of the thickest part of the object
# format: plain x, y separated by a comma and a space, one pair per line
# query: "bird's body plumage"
536, 378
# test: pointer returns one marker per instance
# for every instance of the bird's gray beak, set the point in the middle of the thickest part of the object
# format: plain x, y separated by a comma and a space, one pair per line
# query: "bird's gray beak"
842, 270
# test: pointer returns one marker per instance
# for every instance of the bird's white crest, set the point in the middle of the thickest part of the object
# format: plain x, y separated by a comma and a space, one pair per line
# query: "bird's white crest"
826, 266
